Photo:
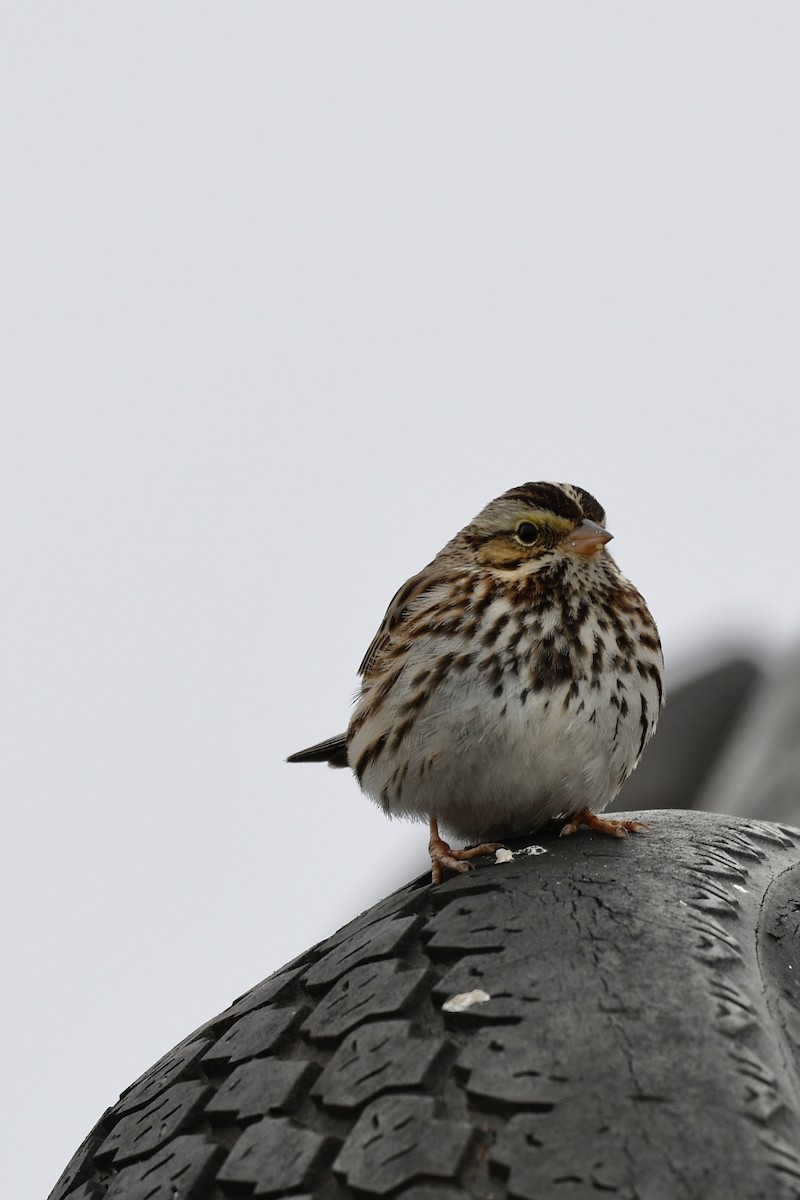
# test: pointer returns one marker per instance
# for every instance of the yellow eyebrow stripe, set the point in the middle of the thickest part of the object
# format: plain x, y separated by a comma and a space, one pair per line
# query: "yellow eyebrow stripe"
559, 524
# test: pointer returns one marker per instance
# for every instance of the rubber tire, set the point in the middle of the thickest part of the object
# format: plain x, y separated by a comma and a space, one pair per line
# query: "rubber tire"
640, 1040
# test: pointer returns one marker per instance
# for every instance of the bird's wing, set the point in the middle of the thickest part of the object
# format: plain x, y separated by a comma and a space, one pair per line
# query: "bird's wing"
411, 590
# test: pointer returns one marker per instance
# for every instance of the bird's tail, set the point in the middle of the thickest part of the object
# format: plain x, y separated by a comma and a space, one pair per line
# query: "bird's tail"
333, 752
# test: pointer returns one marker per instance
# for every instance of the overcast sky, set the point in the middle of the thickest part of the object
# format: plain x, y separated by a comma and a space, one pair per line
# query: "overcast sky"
291, 290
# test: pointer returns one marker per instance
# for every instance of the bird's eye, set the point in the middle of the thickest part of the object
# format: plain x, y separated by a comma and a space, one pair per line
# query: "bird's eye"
527, 533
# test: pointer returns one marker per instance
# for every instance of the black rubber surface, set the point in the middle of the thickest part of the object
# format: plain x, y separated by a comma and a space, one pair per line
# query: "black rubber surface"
641, 1041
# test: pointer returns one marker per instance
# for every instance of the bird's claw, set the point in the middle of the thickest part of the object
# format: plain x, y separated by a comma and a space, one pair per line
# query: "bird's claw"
612, 826
454, 860
441, 860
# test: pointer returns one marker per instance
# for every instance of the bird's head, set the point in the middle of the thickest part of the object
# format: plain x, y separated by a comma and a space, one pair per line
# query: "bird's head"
535, 525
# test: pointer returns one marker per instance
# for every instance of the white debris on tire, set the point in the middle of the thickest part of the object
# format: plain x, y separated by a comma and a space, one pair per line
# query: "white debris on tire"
465, 1000
504, 855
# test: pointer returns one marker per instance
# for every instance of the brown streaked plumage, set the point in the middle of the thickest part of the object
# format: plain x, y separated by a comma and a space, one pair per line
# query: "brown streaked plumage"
515, 680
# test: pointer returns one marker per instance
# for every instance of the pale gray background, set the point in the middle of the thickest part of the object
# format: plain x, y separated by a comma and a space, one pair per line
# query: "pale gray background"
291, 290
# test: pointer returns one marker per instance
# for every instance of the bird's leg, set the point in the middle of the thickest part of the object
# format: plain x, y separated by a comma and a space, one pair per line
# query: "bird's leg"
454, 860
609, 825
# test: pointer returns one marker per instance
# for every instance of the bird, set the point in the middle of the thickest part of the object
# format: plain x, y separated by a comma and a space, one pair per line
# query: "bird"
513, 682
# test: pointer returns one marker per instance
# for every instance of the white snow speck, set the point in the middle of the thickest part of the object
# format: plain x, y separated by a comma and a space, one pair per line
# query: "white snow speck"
739, 888
503, 855
465, 1000
526, 851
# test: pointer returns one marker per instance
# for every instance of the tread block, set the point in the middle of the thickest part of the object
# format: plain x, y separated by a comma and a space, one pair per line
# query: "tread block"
258, 1032
510, 1066
373, 990
146, 1129
784, 836
262, 1086
179, 1170
432, 1192
398, 1140
82, 1160
466, 925
377, 1058
273, 988
274, 1157
168, 1070
380, 940
407, 898
514, 985
542, 1164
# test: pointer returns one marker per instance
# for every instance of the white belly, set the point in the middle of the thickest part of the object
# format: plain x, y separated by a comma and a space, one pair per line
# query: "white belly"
486, 766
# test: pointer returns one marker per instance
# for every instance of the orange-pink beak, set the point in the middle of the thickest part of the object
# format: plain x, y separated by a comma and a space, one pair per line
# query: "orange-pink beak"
587, 538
